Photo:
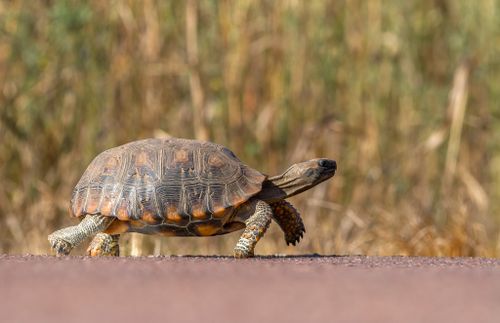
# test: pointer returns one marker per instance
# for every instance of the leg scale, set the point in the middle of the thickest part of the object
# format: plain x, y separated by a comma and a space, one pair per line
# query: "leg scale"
104, 244
256, 226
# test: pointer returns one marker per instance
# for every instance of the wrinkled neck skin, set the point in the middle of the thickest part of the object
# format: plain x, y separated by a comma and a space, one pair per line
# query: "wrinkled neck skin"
280, 187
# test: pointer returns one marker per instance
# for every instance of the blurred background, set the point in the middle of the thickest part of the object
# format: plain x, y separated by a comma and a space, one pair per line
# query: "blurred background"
403, 94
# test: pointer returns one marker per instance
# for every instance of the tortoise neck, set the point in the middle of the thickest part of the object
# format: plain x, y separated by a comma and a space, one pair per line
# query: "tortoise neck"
280, 187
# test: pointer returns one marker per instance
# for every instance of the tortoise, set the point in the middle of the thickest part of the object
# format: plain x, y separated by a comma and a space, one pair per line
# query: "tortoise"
183, 187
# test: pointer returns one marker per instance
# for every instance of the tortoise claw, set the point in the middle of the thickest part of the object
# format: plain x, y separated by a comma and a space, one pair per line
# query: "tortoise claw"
295, 239
60, 246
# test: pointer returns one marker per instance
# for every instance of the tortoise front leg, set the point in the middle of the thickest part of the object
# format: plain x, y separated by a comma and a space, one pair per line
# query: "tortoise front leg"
289, 221
104, 244
64, 240
256, 226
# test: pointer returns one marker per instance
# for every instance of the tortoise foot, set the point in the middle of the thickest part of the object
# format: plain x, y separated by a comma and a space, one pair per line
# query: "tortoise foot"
293, 237
104, 244
60, 246
289, 220
238, 253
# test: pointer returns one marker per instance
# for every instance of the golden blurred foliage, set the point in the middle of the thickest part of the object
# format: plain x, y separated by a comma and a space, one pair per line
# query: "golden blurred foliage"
403, 94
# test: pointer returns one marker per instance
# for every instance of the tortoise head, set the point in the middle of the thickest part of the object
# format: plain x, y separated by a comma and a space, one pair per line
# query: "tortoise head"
302, 176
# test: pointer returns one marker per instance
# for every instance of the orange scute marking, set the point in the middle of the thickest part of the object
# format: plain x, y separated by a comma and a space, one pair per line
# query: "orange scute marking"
111, 162
198, 213
206, 229
172, 215
106, 207
117, 227
219, 212
237, 201
136, 224
215, 160
92, 206
142, 159
121, 212
148, 216
181, 156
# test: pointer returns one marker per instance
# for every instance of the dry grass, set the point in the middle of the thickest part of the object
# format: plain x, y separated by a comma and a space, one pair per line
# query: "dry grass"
404, 94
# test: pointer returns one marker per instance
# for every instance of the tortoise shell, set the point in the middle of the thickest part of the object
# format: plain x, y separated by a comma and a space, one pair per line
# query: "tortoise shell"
171, 186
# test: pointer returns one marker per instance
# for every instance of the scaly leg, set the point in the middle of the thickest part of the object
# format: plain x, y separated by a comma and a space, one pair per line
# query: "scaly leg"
62, 241
104, 244
289, 221
256, 226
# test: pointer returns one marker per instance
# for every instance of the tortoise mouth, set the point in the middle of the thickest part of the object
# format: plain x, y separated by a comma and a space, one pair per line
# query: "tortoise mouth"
330, 171
327, 168
325, 174
327, 164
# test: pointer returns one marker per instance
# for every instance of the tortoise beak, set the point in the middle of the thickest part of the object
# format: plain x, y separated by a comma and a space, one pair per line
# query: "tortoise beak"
328, 165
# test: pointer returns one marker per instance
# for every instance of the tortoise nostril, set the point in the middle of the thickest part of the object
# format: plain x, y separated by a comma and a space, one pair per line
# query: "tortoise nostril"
327, 163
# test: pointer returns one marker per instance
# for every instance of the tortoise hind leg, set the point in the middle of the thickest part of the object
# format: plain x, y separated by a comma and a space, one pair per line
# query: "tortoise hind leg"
289, 220
104, 244
64, 240
256, 226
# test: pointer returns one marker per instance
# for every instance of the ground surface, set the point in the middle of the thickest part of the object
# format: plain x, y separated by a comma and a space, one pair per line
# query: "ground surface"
271, 289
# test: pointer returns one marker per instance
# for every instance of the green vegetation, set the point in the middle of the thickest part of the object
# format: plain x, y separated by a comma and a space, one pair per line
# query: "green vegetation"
403, 94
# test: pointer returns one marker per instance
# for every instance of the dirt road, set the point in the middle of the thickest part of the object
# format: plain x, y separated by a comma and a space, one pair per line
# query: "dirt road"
271, 289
